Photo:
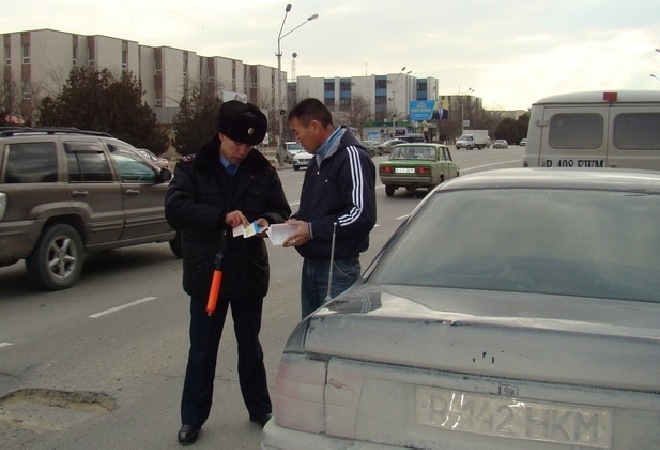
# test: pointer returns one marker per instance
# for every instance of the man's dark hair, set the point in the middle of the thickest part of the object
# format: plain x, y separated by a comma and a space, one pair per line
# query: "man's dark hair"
311, 109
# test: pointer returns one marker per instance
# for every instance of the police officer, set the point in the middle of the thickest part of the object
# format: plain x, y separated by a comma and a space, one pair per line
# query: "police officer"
225, 184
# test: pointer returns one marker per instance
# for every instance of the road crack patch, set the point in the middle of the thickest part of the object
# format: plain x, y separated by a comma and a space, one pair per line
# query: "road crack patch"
51, 409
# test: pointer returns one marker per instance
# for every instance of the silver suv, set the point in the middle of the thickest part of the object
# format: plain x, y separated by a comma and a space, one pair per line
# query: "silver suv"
67, 192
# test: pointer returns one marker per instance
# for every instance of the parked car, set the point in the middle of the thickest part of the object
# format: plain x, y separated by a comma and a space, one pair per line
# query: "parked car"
513, 309
290, 149
151, 156
301, 159
386, 146
66, 192
372, 147
500, 143
417, 166
523, 142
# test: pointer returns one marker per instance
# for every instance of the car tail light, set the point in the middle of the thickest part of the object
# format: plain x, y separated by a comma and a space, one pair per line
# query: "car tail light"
3, 205
386, 169
298, 396
423, 170
298, 399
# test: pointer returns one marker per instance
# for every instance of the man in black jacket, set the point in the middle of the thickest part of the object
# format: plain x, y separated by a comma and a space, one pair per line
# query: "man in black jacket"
338, 198
225, 184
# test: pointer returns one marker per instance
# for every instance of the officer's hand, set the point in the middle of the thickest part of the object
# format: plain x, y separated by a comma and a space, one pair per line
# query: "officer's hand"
236, 218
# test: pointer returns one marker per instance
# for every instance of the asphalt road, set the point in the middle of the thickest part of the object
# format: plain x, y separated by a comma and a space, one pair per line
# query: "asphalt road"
101, 365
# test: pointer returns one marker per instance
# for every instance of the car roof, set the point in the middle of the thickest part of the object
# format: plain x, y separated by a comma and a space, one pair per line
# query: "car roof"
419, 144
615, 179
599, 97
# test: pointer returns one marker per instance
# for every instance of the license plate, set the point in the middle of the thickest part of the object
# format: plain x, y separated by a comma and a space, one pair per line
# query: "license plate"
514, 418
404, 170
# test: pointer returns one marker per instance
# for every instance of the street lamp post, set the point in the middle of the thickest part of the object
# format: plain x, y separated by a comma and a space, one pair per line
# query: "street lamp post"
394, 100
280, 110
462, 98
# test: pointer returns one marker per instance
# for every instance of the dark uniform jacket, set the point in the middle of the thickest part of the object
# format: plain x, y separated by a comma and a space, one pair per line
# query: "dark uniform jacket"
198, 199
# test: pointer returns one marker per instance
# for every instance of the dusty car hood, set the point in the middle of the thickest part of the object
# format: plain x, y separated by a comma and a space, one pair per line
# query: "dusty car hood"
501, 334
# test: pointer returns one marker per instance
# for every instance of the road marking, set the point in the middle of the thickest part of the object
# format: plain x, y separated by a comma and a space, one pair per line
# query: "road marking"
120, 307
492, 164
4, 344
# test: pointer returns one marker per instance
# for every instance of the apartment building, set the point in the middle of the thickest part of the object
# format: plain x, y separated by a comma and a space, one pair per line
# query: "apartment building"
37, 62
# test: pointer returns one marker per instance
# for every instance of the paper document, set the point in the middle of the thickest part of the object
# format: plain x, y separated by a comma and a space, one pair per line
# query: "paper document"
280, 232
246, 232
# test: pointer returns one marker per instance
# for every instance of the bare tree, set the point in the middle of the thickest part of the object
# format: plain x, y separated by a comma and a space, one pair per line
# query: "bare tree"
358, 113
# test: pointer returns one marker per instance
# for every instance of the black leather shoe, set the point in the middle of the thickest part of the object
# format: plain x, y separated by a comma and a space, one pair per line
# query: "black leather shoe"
261, 419
188, 434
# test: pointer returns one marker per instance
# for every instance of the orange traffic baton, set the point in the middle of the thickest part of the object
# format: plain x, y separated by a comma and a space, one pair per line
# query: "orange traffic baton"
217, 275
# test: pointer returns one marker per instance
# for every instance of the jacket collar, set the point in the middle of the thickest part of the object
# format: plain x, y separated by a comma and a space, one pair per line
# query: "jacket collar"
207, 157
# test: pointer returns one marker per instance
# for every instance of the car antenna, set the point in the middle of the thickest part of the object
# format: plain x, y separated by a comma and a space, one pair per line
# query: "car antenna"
332, 262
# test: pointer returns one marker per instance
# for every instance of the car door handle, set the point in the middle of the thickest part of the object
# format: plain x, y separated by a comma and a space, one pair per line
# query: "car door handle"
132, 192
80, 193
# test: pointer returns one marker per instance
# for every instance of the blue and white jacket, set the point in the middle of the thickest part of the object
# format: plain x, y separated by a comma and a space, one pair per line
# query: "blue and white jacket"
339, 187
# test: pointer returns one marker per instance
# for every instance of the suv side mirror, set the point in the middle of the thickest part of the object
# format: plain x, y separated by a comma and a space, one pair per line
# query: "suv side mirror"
164, 175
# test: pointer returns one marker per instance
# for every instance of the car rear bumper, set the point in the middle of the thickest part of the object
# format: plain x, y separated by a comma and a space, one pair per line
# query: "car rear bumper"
275, 437
17, 240
406, 180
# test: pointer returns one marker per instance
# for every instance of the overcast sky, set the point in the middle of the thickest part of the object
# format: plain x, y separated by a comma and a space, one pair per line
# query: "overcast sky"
511, 52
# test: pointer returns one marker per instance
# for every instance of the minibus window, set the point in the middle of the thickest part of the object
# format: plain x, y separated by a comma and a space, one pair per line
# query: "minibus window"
637, 131
576, 131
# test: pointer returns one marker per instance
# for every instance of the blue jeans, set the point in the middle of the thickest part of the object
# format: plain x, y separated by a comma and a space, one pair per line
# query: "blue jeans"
314, 285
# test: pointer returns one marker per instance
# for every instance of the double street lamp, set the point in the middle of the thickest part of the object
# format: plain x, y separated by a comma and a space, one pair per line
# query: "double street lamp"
280, 110
462, 97
394, 98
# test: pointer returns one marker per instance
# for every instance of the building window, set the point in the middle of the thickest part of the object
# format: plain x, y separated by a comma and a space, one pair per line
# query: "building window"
75, 50
26, 53
7, 55
158, 61
124, 60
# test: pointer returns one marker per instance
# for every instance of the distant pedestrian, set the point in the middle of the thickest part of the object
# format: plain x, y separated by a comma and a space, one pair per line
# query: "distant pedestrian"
225, 184
338, 196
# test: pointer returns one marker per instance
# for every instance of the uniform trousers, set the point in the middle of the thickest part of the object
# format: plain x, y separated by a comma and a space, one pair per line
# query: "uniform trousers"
205, 334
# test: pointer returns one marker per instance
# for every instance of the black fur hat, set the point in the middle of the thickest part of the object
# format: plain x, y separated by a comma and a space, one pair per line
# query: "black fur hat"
241, 122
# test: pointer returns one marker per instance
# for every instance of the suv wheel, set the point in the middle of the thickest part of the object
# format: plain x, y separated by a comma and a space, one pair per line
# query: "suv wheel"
389, 189
57, 258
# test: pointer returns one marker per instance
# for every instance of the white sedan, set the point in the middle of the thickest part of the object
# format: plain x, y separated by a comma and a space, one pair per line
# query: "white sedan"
301, 159
513, 309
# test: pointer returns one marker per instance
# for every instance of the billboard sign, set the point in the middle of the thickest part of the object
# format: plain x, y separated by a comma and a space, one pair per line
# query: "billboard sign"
428, 110
421, 109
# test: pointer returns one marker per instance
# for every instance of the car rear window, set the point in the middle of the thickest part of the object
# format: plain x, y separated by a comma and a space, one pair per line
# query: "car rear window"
34, 162
565, 242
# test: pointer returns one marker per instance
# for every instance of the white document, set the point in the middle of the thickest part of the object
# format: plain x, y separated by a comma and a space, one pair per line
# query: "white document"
280, 232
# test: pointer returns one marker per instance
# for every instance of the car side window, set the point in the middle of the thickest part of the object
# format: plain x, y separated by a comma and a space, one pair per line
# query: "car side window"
86, 162
34, 162
131, 166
